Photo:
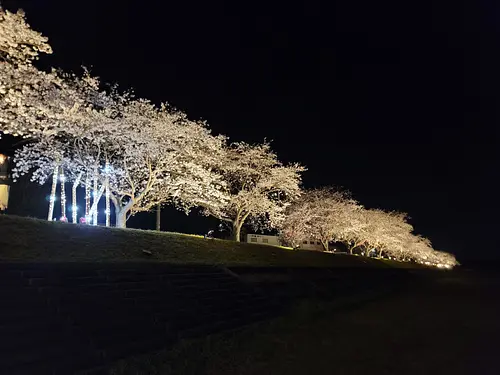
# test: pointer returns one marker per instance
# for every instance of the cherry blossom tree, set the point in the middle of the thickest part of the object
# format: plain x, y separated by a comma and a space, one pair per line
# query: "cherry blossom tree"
420, 250
26, 93
386, 232
258, 187
36, 104
142, 155
296, 226
156, 154
19, 44
325, 215
69, 110
68, 122
166, 158
443, 259
330, 215
391, 234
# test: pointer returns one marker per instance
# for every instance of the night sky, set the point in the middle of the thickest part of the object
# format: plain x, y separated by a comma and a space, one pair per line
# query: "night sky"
395, 101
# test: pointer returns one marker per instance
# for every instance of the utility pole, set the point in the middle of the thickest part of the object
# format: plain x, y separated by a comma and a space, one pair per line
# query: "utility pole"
158, 216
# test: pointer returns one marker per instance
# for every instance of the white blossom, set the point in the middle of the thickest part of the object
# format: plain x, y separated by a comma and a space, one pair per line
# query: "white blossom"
19, 44
154, 155
325, 215
330, 215
258, 187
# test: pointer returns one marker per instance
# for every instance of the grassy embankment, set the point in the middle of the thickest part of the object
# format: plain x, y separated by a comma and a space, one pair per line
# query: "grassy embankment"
25, 239
287, 344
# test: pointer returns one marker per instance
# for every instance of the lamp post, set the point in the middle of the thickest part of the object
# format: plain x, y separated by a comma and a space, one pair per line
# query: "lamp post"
4, 182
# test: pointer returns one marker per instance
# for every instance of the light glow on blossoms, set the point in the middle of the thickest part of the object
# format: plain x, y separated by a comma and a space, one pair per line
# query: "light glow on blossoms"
258, 187
328, 215
140, 156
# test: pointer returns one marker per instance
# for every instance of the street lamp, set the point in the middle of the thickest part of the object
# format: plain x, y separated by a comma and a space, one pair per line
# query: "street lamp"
4, 182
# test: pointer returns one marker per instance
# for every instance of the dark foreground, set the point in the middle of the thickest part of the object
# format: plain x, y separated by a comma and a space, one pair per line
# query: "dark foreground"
445, 326
154, 318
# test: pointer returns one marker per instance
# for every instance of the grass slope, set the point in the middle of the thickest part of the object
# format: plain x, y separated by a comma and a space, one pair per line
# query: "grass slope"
25, 239
441, 328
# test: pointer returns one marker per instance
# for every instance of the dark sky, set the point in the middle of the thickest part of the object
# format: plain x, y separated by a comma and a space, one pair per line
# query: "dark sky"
394, 100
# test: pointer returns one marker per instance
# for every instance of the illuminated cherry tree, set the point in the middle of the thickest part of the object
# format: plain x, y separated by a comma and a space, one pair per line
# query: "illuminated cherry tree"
153, 155
142, 155
50, 138
328, 215
386, 232
159, 156
257, 185
139, 154
30, 100
19, 47
325, 215
19, 44
43, 108
420, 250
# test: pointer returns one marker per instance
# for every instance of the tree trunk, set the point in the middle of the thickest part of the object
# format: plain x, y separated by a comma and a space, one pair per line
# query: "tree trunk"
325, 245
121, 218
74, 213
158, 217
95, 198
74, 208
87, 198
237, 231
108, 208
63, 193
107, 195
50, 215
121, 212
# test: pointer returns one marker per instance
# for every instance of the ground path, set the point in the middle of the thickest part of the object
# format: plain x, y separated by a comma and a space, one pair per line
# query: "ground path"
448, 327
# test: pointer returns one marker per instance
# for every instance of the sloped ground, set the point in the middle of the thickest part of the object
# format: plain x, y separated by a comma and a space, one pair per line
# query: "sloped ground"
76, 297
24, 239
58, 318
444, 326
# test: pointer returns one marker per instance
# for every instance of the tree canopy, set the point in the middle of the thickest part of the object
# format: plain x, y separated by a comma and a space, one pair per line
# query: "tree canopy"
140, 155
330, 215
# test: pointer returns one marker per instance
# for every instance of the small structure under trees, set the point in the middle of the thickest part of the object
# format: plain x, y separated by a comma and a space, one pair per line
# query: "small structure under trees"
258, 187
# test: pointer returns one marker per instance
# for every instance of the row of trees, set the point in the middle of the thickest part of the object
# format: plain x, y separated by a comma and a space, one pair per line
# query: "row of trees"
139, 155
329, 215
